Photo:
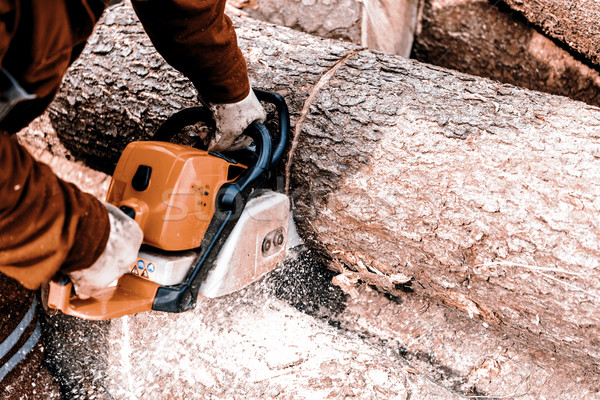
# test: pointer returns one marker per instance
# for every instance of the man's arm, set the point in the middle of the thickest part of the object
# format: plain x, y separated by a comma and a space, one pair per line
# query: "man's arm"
198, 39
46, 224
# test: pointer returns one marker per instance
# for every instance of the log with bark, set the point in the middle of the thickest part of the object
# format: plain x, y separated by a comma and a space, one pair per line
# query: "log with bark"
572, 23
484, 195
386, 25
496, 42
478, 37
333, 19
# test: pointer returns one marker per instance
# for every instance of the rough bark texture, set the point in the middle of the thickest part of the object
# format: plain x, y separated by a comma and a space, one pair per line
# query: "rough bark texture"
397, 348
334, 19
483, 39
572, 23
386, 25
485, 194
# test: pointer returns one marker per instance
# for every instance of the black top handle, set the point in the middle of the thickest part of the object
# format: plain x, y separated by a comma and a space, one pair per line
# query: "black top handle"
283, 115
192, 115
230, 191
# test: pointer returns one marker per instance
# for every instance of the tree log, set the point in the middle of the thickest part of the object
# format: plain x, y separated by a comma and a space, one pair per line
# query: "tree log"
485, 195
333, 19
572, 23
482, 39
413, 348
377, 24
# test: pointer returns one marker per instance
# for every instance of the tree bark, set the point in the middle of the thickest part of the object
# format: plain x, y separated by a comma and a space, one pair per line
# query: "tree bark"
333, 19
487, 196
572, 23
496, 42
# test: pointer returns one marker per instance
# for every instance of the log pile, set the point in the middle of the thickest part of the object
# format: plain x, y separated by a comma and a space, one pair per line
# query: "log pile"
409, 177
537, 45
573, 24
496, 42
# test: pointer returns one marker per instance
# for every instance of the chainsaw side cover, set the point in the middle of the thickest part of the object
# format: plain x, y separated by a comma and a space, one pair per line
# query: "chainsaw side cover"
255, 246
170, 190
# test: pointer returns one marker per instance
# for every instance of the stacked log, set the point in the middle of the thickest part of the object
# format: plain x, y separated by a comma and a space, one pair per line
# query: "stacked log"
495, 42
572, 24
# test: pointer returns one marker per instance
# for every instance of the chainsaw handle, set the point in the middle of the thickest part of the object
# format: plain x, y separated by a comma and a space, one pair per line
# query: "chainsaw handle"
283, 115
230, 191
192, 115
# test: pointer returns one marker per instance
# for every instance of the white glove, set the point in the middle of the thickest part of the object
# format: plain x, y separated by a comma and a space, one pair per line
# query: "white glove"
232, 119
120, 253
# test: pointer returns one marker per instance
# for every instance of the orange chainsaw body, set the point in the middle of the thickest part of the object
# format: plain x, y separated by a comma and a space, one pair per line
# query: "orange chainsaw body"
170, 190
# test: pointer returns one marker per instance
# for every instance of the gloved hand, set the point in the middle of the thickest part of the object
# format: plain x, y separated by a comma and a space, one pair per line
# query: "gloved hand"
120, 253
232, 119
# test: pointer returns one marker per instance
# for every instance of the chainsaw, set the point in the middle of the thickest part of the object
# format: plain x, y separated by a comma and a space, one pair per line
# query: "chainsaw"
210, 225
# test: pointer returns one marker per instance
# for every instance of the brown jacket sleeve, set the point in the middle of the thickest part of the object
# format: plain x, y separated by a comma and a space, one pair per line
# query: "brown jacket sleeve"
46, 224
198, 39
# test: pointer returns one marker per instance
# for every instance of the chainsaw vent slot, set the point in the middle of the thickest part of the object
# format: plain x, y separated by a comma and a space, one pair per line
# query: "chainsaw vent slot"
234, 172
141, 179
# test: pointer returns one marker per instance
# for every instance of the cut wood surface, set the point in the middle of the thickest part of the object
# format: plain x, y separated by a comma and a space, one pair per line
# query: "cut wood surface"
487, 196
570, 22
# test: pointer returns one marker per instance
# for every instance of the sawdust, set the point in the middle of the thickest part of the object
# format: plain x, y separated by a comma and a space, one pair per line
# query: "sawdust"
250, 345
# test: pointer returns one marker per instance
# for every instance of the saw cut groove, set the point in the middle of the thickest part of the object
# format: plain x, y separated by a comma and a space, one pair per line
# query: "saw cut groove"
321, 83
